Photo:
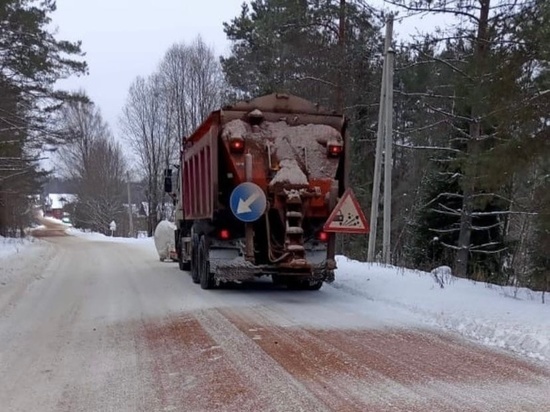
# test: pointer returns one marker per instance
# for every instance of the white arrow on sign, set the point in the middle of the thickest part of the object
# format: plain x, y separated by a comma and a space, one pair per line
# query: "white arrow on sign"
244, 205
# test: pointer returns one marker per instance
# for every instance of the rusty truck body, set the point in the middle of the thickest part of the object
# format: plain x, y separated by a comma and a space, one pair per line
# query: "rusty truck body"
290, 153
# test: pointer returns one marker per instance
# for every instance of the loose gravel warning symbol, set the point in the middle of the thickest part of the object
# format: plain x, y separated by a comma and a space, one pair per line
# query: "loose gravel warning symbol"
347, 216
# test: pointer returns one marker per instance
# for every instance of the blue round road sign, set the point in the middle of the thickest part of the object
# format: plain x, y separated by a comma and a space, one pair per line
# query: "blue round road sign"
248, 202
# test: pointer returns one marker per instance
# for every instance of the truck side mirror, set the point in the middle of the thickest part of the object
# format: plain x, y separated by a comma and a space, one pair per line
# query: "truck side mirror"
168, 180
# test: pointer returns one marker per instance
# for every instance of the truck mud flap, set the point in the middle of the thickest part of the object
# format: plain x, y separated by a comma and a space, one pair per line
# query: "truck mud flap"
236, 270
322, 273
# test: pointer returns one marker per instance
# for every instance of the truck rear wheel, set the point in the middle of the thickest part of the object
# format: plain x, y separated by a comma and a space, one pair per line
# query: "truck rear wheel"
316, 285
195, 264
207, 282
299, 284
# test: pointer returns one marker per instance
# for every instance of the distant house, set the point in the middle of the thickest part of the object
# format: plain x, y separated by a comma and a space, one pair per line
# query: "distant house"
54, 204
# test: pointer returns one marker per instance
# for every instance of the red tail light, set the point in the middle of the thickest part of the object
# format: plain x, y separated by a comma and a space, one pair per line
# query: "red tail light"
334, 150
225, 234
236, 145
322, 236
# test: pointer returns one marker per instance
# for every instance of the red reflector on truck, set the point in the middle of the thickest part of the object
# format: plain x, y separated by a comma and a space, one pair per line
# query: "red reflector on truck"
334, 150
236, 145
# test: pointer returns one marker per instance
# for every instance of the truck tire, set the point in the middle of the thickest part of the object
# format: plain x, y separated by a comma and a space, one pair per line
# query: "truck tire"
195, 264
316, 285
185, 266
298, 284
207, 282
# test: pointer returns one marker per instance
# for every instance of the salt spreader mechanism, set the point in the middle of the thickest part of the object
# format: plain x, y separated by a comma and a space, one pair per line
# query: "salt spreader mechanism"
260, 192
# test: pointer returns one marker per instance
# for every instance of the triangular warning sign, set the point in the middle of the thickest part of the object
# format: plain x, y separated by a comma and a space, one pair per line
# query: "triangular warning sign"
347, 216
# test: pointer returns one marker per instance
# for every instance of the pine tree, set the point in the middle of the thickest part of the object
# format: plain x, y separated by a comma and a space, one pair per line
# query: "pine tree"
480, 103
294, 47
31, 61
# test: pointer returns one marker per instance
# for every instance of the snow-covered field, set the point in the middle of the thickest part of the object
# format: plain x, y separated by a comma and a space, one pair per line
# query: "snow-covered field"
504, 317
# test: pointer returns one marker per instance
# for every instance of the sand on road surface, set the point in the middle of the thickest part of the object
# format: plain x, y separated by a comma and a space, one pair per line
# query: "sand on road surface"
104, 326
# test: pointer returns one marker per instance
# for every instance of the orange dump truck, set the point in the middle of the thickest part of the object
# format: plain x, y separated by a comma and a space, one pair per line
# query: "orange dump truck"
256, 184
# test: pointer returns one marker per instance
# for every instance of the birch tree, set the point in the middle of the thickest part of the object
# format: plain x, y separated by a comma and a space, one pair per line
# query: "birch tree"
192, 85
94, 160
166, 106
144, 128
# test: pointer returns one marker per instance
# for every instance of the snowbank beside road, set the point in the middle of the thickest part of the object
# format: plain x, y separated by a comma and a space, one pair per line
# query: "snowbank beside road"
164, 239
16, 255
13, 246
498, 316
101, 237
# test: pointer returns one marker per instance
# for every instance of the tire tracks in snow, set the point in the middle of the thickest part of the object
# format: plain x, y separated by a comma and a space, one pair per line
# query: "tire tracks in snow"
202, 362
379, 370
109, 328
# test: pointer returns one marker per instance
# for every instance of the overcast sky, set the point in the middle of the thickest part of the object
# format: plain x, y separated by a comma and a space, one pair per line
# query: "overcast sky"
127, 38
124, 39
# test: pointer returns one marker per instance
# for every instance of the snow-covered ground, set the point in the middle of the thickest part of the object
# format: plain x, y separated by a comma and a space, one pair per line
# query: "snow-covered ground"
17, 252
504, 317
146, 242
10, 246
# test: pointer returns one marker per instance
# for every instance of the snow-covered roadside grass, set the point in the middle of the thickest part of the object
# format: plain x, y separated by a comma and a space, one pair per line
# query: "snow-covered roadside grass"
14, 246
504, 317
143, 244
17, 255
104, 238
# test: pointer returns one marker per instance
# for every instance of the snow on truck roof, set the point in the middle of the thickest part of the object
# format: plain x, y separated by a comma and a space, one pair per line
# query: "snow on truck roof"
282, 103
298, 149
273, 105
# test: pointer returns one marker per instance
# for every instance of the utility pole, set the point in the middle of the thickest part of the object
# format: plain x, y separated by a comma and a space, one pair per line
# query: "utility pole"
130, 211
340, 101
342, 54
388, 163
340, 87
385, 89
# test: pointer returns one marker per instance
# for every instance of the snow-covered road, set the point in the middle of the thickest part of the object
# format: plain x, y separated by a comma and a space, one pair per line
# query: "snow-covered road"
90, 324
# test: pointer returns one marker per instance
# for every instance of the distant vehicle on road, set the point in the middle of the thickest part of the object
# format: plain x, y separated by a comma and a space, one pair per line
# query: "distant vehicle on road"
67, 221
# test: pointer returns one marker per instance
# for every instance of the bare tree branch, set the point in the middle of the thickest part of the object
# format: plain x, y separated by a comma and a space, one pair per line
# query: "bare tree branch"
449, 149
